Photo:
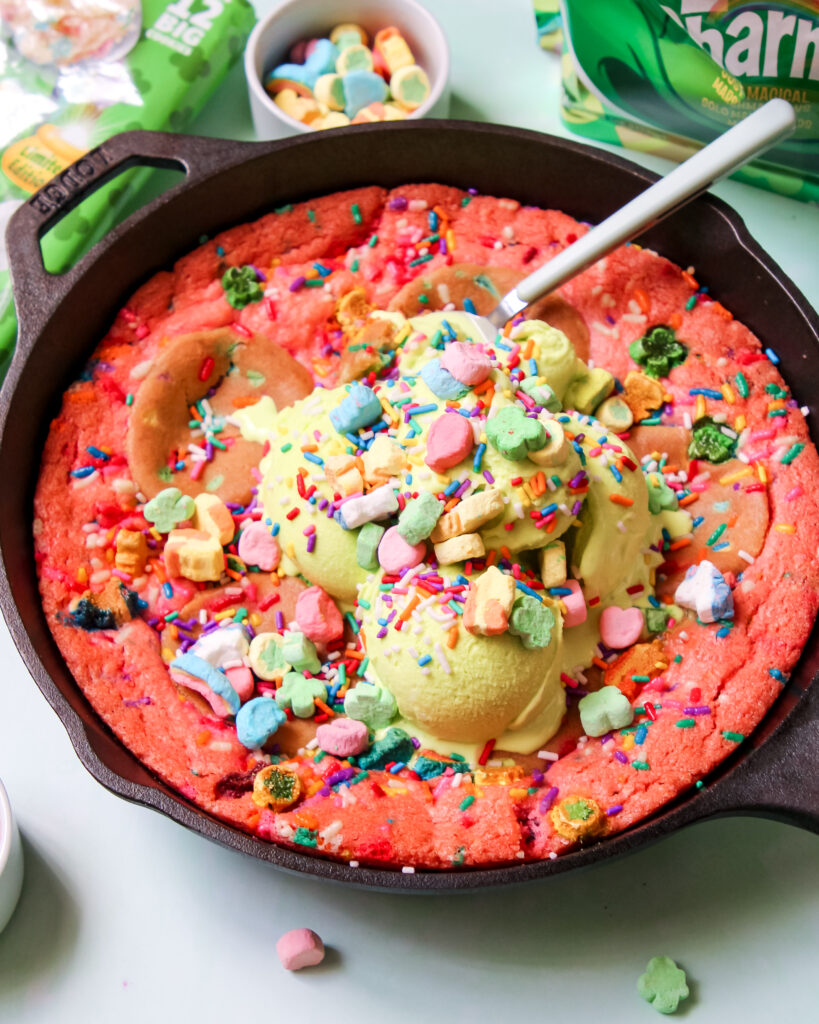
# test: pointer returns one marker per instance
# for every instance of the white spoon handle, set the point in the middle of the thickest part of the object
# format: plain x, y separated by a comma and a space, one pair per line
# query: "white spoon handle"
748, 139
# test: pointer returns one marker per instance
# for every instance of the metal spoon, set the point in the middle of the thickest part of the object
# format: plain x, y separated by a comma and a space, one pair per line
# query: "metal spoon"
746, 140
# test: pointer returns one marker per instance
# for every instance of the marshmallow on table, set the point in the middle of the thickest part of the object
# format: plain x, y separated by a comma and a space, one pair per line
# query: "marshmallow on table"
300, 948
489, 603
378, 504
469, 514
459, 549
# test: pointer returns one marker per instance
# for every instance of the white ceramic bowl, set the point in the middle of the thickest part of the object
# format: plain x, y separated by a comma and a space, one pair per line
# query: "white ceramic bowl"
273, 36
11, 861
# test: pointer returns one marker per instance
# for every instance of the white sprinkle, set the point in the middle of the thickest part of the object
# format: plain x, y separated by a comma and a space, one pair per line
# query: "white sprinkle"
353, 863
546, 755
141, 369
439, 651
746, 557
408, 869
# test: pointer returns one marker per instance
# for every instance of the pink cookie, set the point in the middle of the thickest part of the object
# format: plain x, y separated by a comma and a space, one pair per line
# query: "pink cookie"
317, 616
620, 627
257, 546
242, 681
300, 948
449, 441
466, 363
395, 554
575, 605
342, 737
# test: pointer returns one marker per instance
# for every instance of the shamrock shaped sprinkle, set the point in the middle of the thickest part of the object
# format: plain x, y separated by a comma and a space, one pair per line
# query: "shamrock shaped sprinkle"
605, 709
663, 984
712, 441
532, 621
514, 434
242, 286
298, 693
658, 351
169, 508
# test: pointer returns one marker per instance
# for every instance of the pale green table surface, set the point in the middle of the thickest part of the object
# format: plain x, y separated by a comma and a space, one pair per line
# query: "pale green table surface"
127, 917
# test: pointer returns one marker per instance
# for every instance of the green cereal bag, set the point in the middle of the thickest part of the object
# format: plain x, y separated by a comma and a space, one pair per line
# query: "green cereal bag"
73, 73
666, 77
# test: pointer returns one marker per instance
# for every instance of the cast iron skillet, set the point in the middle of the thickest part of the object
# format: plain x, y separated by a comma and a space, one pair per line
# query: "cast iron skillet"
773, 774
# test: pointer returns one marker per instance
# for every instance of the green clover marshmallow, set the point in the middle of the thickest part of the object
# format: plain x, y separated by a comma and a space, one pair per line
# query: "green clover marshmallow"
168, 508
663, 984
514, 434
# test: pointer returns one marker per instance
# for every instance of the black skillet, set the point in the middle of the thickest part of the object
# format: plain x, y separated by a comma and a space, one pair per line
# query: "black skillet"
772, 774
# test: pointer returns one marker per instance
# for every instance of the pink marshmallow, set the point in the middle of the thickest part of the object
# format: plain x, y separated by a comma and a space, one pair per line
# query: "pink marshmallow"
219, 706
449, 441
575, 605
342, 737
257, 546
242, 681
467, 363
620, 627
395, 554
317, 616
300, 948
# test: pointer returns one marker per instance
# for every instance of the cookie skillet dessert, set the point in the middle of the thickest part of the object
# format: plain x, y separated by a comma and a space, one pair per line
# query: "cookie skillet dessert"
362, 586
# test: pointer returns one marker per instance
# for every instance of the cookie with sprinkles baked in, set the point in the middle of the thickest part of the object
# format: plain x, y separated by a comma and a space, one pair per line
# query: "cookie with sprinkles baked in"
459, 604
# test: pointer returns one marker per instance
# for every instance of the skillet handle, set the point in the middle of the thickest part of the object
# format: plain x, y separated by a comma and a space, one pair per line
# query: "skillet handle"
779, 779
38, 293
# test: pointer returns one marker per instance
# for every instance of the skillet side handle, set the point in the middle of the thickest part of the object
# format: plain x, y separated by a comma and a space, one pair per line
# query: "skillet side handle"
38, 293
780, 779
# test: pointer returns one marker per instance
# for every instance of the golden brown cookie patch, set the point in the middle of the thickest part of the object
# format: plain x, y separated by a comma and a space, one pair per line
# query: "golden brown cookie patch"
187, 370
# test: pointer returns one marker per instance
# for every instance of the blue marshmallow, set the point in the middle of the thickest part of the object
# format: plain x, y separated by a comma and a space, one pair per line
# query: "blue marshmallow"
359, 408
361, 88
212, 677
257, 721
320, 62
441, 382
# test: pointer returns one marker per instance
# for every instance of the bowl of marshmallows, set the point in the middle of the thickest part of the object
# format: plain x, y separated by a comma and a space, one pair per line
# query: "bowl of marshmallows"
318, 64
